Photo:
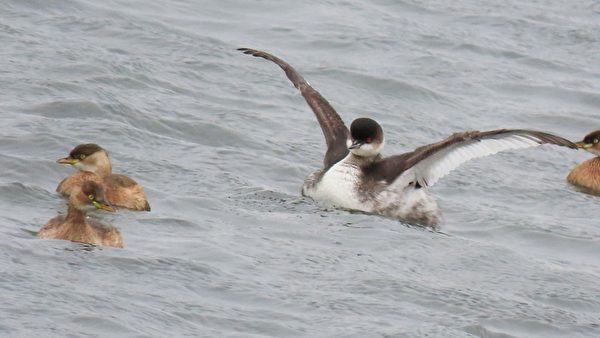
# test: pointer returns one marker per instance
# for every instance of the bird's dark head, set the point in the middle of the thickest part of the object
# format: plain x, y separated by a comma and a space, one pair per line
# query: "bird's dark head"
89, 157
591, 142
90, 195
366, 137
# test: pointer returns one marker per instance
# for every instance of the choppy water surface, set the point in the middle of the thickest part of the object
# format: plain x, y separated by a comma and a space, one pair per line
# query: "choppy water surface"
222, 143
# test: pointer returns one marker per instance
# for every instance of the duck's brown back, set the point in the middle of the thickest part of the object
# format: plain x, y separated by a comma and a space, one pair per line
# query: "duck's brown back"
122, 191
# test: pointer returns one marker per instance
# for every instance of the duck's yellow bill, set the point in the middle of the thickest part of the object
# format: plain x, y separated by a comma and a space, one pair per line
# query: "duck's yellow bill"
584, 145
67, 160
105, 207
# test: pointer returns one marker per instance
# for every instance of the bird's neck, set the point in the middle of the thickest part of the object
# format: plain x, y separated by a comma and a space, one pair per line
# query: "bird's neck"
104, 170
594, 151
103, 165
74, 227
361, 160
75, 217
98, 163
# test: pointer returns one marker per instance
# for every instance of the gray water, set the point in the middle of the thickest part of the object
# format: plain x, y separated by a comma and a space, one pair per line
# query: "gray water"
222, 142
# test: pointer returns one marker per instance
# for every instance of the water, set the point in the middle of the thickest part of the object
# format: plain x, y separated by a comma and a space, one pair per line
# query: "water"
222, 142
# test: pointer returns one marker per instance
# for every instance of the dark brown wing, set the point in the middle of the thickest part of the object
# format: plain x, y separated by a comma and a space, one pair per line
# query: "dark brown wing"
334, 129
427, 164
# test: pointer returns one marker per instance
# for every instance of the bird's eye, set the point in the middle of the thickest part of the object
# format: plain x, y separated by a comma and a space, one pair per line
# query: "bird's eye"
82, 156
369, 139
91, 197
595, 140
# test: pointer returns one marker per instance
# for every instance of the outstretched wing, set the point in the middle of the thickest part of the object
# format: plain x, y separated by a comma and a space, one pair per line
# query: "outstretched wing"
427, 164
334, 129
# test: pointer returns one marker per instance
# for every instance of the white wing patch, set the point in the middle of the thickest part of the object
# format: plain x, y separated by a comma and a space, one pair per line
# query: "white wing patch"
428, 171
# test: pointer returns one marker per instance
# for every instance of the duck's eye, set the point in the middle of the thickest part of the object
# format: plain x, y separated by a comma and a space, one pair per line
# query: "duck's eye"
369, 139
82, 156
91, 197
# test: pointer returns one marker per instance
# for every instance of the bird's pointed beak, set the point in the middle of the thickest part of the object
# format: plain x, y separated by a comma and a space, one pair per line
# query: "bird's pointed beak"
584, 145
67, 160
103, 206
356, 144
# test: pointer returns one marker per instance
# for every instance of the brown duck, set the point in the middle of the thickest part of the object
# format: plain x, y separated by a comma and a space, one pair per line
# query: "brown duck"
93, 164
586, 175
76, 226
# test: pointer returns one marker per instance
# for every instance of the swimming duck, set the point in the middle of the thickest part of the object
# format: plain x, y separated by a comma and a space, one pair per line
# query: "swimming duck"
76, 226
94, 165
586, 175
356, 176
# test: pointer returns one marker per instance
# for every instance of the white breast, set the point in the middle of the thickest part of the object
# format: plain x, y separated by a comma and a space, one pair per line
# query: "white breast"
338, 187
339, 184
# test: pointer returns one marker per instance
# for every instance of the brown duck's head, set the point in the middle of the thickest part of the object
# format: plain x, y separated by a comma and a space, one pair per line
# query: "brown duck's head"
591, 143
366, 137
89, 157
89, 197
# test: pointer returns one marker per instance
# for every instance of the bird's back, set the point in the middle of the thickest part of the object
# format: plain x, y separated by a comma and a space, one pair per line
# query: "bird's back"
122, 191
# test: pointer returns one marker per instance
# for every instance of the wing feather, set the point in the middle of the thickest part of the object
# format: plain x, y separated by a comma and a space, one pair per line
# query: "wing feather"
332, 125
428, 164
